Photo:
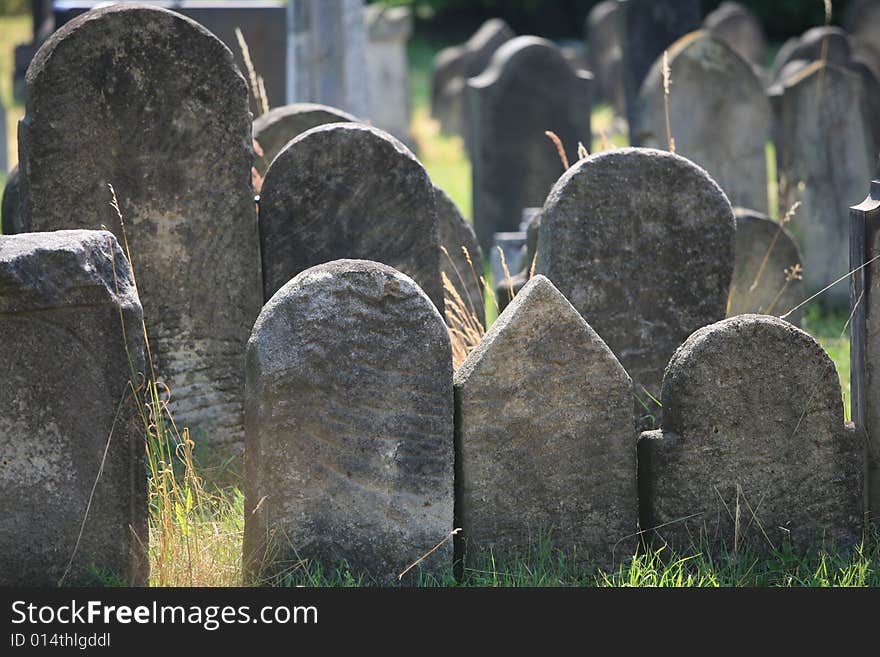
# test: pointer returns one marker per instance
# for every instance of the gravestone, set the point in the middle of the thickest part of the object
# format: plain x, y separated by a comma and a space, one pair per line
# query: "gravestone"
507, 288
262, 23
273, 130
822, 172
650, 27
447, 88
641, 242
752, 428
463, 270
152, 103
527, 90
865, 335
719, 115
388, 30
65, 393
348, 191
327, 51
10, 213
766, 278
862, 21
605, 45
349, 452
740, 29
545, 436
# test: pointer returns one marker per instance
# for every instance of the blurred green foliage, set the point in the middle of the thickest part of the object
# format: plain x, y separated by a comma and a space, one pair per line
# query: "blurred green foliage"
13, 7
565, 18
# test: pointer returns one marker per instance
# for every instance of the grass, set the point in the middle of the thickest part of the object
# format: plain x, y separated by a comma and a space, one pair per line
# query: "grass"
13, 30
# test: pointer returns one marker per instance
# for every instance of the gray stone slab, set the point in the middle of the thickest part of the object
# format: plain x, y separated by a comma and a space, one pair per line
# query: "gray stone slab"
739, 28
604, 32
388, 31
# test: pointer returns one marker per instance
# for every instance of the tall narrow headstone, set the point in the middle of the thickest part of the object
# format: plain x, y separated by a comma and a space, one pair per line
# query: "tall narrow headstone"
349, 453
767, 277
327, 50
463, 269
753, 449
527, 90
865, 335
718, 115
826, 156
388, 30
545, 437
68, 420
447, 88
273, 130
348, 191
605, 45
151, 103
641, 242
740, 29
650, 27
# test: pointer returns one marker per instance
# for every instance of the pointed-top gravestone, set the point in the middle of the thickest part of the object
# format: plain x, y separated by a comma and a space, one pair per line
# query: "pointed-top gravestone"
752, 430
650, 27
642, 244
73, 481
739, 28
822, 173
150, 102
273, 130
545, 436
719, 115
463, 270
349, 452
528, 89
767, 278
348, 191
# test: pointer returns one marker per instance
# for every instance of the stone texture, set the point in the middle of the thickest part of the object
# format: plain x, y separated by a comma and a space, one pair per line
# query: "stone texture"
752, 404
765, 254
545, 439
66, 366
642, 244
740, 29
719, 115
605, 44
322, 200
10, 214
327, 53
527, 90
650, 27
388, 30
349, 452
826, 157
454, 233
276, 128
152, 103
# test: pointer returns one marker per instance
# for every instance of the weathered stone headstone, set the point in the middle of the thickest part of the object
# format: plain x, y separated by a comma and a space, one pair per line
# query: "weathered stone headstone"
740, 29
545, 435
348, 191
454, 233
527, 90
66, 369
605, 44
447, 89
767, 277
865, 335
650, 27
719, 115
862, 21
327, 50
152, 103
507, 288
642, 244
388, 30
276, 128
826, 156
752, 428
829, 43
349, 452
10, 213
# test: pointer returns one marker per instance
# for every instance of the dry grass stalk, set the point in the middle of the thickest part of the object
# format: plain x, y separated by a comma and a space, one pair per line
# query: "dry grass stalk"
507, 275
560, 149
667, 84
823, 57
787, 218
261, 102
583, 153
466, 328
264, 97
793, 273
